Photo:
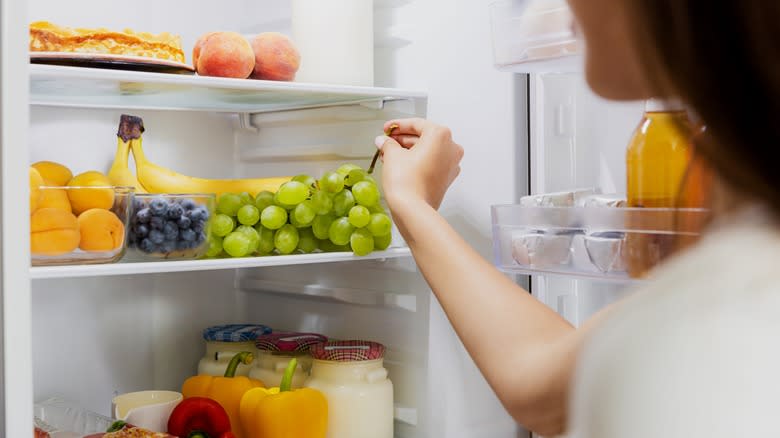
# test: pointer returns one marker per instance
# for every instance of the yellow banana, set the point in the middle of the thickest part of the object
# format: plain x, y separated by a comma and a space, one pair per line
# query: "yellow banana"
158, 179
120, 173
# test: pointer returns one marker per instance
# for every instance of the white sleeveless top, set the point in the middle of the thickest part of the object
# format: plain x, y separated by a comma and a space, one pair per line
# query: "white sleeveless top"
694, 353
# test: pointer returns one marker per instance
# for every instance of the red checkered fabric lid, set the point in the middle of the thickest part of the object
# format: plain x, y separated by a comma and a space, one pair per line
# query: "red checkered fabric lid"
288, 342
347, 351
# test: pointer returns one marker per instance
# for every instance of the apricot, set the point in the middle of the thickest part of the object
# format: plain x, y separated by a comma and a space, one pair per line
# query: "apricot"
83, 199
36, 181
101, 230
53, 197
276, 58
53, 232
227, 55
55, 173
198, 47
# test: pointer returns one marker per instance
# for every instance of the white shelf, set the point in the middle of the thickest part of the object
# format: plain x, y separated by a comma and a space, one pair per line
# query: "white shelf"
101, 88
48, 272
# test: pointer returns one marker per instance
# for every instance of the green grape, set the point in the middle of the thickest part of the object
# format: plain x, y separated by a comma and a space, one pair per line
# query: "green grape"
354, 176
264, 199
369, 178
252, 234
248, 215
321, 225
303, 214
322, 202
309, 181
365, 193
279, 203
266, 243
222, 225
307, 243
236, 244
293, 193
344, 169
376, 208
361, 241
342, 202
340, 230
327, 246
246, 198
273, 217
229, 203
380, 224
286, 239
215, 246
332, 182
381, 243
359, 216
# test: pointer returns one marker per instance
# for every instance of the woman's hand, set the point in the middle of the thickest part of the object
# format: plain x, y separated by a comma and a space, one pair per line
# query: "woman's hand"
420, 162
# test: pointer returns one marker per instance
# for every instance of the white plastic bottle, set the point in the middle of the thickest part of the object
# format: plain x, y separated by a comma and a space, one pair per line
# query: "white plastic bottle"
336, 41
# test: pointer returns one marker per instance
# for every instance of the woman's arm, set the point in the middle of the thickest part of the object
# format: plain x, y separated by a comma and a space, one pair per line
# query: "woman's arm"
530, 351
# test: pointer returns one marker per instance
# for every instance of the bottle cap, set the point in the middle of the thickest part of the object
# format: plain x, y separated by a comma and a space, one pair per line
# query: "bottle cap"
663, 105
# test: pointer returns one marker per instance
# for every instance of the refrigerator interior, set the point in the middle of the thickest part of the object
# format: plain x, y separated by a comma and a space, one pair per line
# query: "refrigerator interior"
97, 336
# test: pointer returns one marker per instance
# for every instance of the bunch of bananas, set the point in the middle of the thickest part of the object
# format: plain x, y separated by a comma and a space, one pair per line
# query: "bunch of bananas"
152, 178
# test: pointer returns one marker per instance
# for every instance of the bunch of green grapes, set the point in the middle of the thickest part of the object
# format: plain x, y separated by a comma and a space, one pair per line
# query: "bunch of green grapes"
340, 212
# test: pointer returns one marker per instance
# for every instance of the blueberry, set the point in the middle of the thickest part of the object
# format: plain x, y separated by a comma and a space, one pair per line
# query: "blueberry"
143, 215
138, 204
156, 223
174, 211
158, 206
189, 204
184, 222
130, 238
156, 236
188, 235
182, 244
146, 246
141, 230
197, 226
168, 246
171, 230
200, 238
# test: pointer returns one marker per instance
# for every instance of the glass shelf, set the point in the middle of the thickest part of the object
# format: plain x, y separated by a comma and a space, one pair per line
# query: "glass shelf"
100, 88
598, 243
133, 268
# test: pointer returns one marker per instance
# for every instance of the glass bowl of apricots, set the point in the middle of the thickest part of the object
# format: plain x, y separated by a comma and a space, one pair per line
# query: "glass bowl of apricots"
79, 224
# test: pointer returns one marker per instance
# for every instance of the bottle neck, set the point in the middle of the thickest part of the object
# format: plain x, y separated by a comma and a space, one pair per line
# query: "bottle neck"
664, 106
344, 371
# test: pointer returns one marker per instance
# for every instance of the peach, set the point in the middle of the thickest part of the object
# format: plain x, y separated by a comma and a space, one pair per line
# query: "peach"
101, 230
36, 181
55, 173
54, 198
53, 232
83, 199
198, 47
227, 55
276, 58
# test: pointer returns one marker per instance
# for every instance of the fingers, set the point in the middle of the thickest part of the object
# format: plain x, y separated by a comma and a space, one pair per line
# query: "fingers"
414, 126
387, 145
406, 140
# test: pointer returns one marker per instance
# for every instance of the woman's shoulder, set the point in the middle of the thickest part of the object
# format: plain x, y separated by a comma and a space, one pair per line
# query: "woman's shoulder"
694, 353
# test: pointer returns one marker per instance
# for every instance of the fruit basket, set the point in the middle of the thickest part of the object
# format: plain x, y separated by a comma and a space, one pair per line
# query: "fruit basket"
607, 243
79, 224
170, 226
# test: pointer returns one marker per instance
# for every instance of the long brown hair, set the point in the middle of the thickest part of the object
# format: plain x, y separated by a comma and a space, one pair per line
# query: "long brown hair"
723, 59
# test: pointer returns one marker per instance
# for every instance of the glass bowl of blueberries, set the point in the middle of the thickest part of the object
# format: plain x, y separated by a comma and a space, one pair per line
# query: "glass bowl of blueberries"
170, 226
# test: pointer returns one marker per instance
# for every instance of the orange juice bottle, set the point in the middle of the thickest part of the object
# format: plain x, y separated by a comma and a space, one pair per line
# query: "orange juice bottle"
657, 161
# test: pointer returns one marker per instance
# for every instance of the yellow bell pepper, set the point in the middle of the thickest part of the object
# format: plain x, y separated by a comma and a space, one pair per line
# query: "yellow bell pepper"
284, 413
227, 390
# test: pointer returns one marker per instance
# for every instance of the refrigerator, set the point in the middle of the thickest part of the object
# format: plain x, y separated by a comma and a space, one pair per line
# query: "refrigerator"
527, 122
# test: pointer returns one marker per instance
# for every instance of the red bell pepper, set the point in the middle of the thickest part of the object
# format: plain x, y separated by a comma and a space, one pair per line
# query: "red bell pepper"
199, 417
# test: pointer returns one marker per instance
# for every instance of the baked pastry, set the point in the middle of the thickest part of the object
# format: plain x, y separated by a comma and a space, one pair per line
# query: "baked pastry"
48, 37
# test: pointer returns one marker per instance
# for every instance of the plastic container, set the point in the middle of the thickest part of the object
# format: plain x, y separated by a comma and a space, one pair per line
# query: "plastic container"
274, 352
585, 241
170, 226
65, 231
336, 41
225, 341
534, 36
360, 396
62, 418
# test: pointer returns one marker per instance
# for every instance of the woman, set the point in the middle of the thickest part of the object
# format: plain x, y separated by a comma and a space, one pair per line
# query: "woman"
692, 354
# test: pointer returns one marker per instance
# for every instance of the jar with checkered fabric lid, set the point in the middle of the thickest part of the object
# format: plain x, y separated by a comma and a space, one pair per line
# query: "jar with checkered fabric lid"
352, 376
274, 352
225, 341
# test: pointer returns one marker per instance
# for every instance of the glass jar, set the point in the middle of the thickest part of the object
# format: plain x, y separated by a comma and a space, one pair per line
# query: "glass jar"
225, 341
360, 396
274, 352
